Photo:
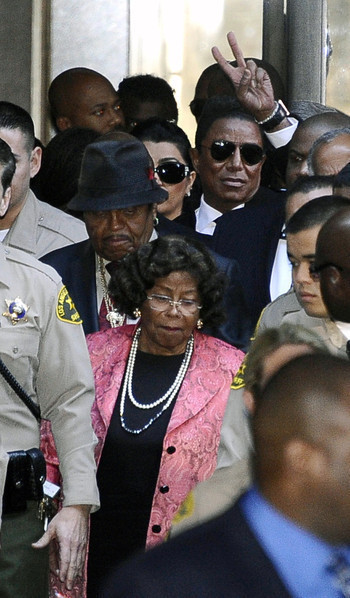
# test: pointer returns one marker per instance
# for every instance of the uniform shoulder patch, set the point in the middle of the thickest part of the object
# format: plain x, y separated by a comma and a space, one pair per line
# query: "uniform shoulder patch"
65, 308
238, 380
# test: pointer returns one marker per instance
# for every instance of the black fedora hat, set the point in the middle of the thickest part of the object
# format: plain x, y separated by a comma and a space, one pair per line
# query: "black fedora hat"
116, 175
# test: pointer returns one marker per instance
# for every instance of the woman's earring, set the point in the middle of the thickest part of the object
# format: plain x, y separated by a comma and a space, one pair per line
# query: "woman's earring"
199, 324
155, 221
137, 313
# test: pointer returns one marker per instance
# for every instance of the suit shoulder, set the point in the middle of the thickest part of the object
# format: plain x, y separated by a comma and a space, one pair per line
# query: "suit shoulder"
67, 252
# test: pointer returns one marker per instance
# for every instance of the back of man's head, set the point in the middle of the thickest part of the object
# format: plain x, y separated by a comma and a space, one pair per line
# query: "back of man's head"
301, 428
14, 117
304, 189
315, 213
332, 261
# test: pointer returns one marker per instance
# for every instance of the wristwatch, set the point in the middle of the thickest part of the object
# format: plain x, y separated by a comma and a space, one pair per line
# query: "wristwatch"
280, 112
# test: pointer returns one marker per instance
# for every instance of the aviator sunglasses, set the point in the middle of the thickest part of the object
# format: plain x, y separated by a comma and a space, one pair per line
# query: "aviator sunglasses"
251, 153
172, 172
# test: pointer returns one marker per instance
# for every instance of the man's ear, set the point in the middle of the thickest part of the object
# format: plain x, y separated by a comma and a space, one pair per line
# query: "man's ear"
305, 459
63, 123
5, 202
35, 161
194, 153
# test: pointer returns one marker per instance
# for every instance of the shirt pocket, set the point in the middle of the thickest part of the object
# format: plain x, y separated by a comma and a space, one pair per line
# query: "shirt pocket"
20, 354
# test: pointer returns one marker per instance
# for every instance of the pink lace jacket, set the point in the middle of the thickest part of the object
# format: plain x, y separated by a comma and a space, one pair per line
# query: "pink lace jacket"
192, 438
191, 442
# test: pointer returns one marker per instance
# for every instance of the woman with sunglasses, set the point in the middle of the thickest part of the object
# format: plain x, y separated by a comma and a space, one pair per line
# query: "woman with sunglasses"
161, 392
169, 148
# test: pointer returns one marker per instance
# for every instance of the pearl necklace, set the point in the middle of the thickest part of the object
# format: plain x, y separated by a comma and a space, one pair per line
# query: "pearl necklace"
166, 399
114, 317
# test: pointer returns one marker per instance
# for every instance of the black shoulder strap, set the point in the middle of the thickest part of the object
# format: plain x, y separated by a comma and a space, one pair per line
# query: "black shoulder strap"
11, 380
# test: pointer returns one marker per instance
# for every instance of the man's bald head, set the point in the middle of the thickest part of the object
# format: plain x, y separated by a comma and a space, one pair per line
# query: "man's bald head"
333, 264
330, 153
301, 431
82, 97
306, 134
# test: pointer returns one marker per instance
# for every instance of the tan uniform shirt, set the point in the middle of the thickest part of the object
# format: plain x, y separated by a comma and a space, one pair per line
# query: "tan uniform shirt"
286, 308
40, 228
46, 352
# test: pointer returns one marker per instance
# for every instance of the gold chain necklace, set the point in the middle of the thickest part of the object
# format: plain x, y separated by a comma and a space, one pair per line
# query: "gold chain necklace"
114, 317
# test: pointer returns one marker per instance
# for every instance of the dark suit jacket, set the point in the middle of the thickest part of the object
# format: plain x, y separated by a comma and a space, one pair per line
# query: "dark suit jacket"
250, 236
219, 559
76, 265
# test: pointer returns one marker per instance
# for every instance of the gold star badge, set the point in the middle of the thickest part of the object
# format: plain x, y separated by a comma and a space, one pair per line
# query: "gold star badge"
16, 310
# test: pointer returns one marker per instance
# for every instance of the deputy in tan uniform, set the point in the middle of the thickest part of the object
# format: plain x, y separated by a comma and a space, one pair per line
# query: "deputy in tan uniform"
30, 224
304, 305
43, 346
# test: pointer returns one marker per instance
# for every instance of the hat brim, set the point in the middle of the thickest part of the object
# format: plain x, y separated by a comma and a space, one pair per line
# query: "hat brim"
82, 202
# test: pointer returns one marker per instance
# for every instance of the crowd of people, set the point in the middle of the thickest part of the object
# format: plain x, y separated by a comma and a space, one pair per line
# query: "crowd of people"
175, 341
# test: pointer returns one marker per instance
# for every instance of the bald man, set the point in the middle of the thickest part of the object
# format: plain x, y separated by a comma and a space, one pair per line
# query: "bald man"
283, 537
330, 153
306, 134
81, 97
332, 267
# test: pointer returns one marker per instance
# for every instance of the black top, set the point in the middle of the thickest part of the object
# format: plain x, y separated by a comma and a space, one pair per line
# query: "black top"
128, 469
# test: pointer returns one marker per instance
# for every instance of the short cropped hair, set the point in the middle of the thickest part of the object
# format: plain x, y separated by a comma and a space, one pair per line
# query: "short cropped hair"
148, 88
219, 107
8, 162
15, 117
304, 184
267, 342
323, 140
138, 271
315, 213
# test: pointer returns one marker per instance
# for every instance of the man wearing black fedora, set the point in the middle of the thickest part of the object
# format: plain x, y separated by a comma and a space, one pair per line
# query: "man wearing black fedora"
118, 196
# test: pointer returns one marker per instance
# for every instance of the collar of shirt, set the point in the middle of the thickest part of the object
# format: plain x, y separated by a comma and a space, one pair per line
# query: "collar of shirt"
3, 234
300, 558
344, 327
206, 216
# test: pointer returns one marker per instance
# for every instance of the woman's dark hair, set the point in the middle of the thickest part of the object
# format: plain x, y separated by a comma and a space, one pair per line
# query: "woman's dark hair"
160, 130
137, 272
219, 107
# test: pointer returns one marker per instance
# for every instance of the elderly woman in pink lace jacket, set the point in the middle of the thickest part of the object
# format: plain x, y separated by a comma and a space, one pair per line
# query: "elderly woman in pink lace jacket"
161, 390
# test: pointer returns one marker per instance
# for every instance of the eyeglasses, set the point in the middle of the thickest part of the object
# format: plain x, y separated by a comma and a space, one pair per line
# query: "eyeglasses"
251, 153
315, 270
162, 302
172, 172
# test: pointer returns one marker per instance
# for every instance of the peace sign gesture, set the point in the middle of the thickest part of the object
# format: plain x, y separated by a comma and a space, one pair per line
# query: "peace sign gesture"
252, 83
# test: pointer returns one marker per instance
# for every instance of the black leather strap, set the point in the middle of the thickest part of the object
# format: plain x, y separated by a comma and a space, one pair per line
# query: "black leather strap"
11, 380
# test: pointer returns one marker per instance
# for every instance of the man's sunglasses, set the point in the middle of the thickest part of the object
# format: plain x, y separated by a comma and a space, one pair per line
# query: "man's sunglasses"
251, 153
172, 172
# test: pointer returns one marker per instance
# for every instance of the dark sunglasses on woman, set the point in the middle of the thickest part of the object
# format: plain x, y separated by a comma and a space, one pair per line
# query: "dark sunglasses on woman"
251, 153
172, 172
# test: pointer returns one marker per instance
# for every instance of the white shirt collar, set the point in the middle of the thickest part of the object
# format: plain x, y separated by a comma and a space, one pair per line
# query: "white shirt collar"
344, 327
206, 216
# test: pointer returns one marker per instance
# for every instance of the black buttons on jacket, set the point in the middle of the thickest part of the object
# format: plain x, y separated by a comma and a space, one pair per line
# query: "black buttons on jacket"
164, 489
170, 450
156, 529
